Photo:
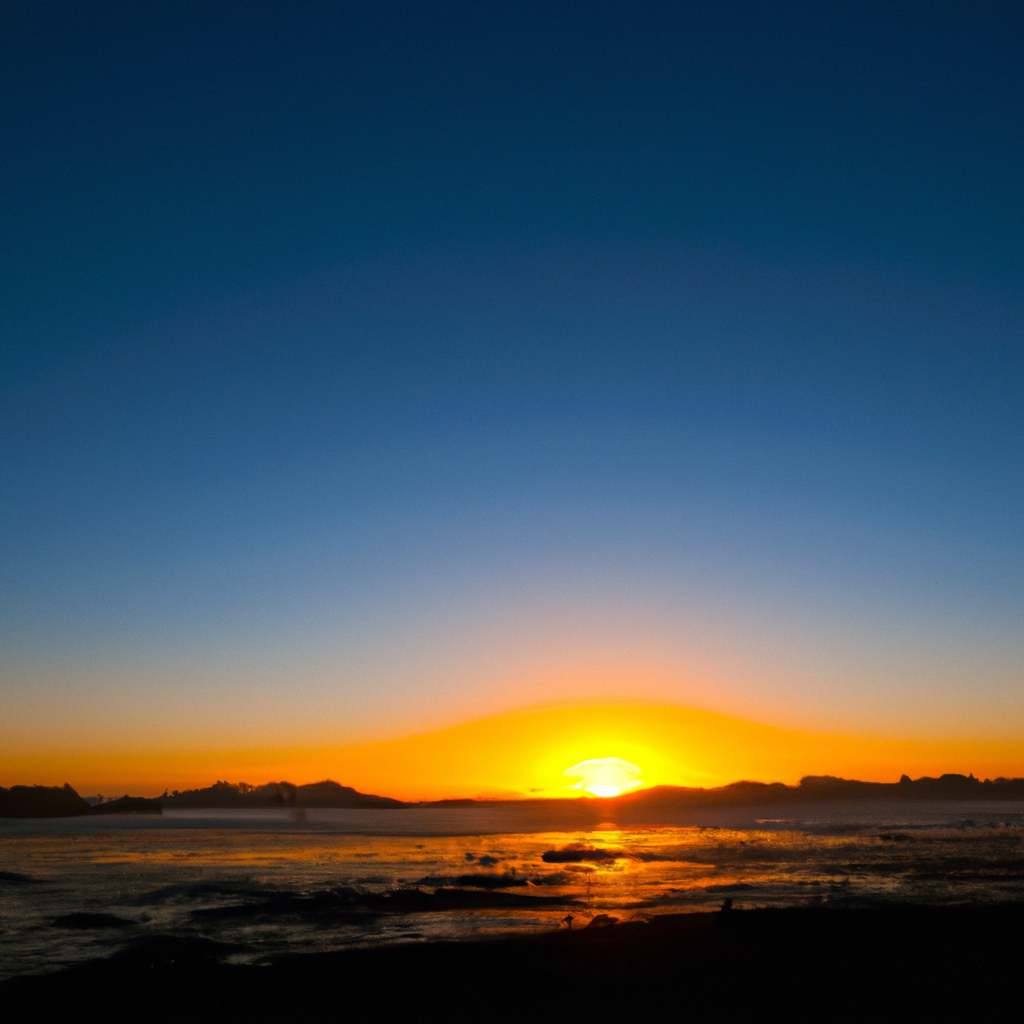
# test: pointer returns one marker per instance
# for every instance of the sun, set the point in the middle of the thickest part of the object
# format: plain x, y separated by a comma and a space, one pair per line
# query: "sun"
604, 776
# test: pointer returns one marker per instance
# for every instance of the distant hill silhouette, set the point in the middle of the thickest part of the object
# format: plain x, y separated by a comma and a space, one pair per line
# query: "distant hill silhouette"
826, 788
279, 794
41, 802
63, 802
129, 805
811, 789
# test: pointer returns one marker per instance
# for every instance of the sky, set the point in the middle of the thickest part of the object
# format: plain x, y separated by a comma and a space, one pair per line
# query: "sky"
371, 370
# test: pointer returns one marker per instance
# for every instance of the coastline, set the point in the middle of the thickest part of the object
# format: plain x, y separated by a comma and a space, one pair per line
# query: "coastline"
877, 963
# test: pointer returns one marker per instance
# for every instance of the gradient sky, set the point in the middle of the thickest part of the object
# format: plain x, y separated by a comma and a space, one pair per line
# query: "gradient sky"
370, 368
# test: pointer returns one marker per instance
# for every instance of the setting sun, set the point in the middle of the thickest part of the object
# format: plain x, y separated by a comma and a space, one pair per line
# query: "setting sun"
604, 776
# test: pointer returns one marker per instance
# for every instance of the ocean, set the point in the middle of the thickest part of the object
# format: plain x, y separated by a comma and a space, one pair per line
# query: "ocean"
266, 884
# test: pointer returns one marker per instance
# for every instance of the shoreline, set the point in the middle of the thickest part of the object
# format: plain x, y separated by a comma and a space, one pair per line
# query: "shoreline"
878, 962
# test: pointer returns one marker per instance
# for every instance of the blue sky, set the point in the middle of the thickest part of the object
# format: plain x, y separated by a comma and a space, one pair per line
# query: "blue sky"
372, 367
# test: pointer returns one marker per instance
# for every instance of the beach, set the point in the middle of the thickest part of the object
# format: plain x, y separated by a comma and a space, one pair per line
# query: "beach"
882, 963
861, 911
267, 883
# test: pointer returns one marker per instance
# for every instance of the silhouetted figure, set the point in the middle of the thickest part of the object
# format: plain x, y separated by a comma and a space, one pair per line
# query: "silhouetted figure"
727, 905
568, 919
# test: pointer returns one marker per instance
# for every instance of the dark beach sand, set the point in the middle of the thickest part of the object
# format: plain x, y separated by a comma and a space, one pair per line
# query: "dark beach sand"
884, 963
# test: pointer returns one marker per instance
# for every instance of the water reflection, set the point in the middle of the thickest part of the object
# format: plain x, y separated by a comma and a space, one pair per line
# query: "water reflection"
267, 884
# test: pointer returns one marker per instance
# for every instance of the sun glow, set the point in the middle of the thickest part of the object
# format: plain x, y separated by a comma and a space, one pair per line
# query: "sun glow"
524, 754
604, 776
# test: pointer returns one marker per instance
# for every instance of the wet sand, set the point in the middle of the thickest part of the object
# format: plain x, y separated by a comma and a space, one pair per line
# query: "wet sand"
883, 963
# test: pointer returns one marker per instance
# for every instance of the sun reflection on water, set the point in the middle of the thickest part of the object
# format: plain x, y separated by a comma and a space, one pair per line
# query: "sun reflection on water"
284, 886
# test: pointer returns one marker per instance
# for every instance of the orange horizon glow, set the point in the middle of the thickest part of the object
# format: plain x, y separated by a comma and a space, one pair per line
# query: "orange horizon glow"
529, 753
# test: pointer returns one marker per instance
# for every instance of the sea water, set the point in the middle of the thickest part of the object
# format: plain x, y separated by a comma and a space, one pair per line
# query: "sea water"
268, 883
